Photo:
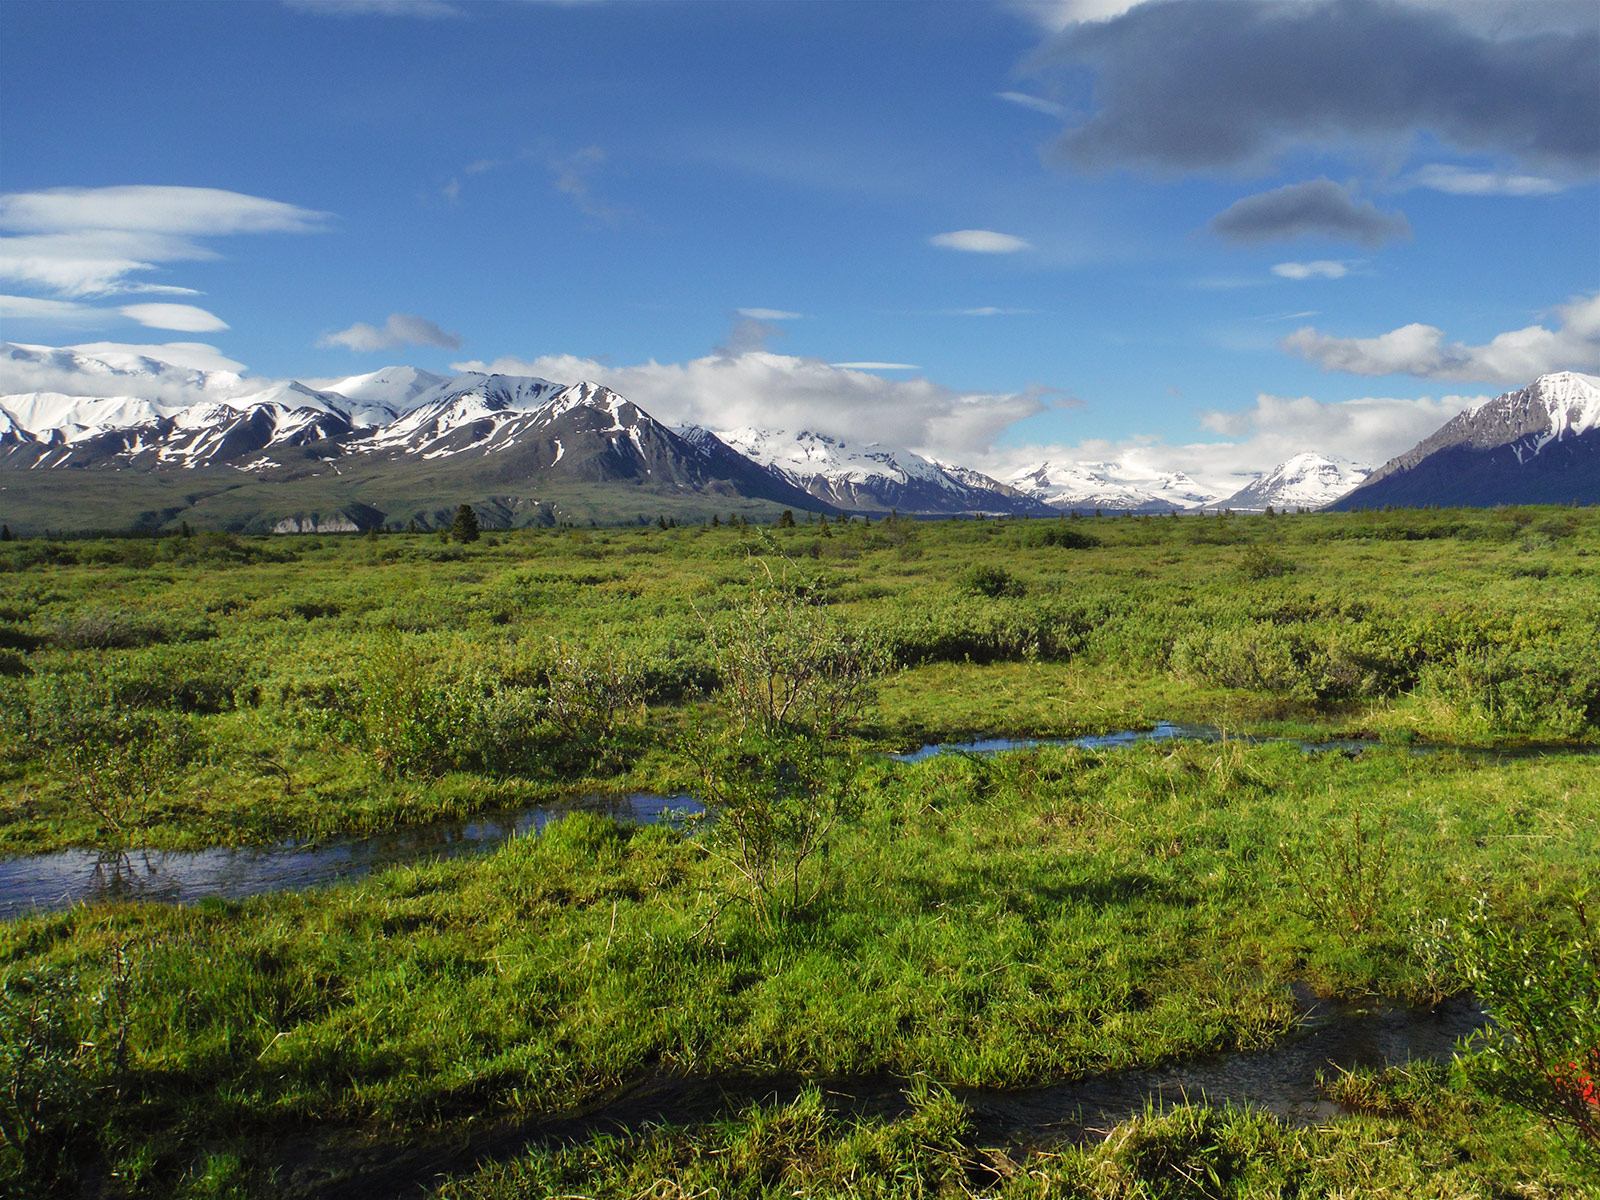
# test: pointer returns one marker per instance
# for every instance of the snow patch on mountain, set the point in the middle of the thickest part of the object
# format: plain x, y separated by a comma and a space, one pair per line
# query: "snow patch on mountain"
1305, 481
1085, 486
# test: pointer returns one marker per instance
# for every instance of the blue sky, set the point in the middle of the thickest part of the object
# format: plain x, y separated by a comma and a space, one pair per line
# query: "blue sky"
1201, 233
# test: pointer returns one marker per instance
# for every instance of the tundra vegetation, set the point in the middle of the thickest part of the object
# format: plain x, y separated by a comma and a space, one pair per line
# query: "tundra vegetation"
480, 1027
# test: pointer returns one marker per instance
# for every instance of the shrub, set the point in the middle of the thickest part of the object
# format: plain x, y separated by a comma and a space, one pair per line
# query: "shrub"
1064, 537
991, 581
1542, 986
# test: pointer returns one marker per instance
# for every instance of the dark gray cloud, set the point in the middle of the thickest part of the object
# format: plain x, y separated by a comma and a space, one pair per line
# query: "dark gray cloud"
1197, 84
1320, 208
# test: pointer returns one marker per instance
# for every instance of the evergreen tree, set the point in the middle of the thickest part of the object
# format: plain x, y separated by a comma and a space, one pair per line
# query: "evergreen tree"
716, 521
465, 527
786, 519
5, 533
661, 522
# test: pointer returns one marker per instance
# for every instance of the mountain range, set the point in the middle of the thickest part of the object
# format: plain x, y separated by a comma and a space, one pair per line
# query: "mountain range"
167, 442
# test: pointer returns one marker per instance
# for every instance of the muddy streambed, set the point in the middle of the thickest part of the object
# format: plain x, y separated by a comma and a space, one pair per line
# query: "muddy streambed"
1332, 1037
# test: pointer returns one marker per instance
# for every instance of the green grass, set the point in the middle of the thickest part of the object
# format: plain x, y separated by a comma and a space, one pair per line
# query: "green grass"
1049, 914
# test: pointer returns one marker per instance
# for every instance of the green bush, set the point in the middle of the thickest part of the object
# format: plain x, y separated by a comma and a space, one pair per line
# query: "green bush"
991, 581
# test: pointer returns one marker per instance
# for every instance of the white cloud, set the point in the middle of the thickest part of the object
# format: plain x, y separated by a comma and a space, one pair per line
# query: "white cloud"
875, 366
184, 318
1322, 268
430, 10
86, 241
1370, 430
979, 241
1517, 357
988, 310
780, 391
1037, 103
770, 314
62, 312
401, 329
573, 181
1460, 181
176, 373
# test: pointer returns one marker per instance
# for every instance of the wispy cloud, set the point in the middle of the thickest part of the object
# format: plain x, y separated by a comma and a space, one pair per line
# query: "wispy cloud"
875, 366
1322, 268
770, 314
988, 310
1516, 357
1461, 181
979, 241
1037, 103
573, 180
401, 329
427, 10
85, 242
1320, 208
180, 318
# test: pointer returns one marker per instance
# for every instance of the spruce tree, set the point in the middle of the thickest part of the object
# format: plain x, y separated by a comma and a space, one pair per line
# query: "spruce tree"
786, 519
465, 527
5, 533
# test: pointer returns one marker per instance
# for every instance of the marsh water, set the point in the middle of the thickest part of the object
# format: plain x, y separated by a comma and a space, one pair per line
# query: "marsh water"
50, 882
1332, 1036
55, 881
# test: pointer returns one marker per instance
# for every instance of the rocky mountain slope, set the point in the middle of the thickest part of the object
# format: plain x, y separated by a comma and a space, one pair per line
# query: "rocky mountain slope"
874, 477
1537, 445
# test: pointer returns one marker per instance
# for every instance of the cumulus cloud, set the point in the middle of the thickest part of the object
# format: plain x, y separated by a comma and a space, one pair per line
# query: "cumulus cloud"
876, 366
1319, 208
1370, 430
979, 241
401, 329
1322, 268
82, 242
1514, 358
1461, 181
786, 392
1204, 84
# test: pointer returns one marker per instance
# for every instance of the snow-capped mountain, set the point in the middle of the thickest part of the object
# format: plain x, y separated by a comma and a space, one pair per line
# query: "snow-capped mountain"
1110, 486
1304, 481
1537, 445
498, 435
871, 476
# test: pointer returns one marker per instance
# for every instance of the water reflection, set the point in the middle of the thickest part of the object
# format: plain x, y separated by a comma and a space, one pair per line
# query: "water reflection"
56, 881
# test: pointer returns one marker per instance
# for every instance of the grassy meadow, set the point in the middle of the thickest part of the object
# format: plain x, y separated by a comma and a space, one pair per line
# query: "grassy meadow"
480, 1027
